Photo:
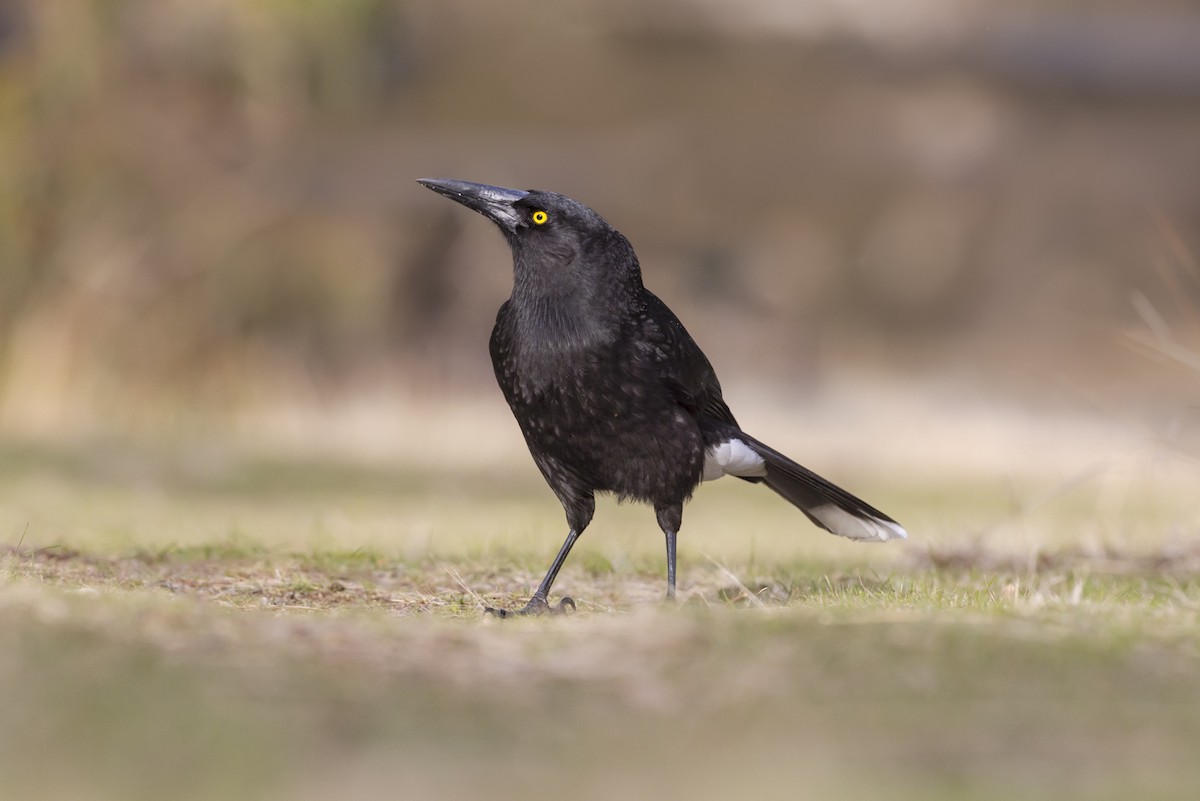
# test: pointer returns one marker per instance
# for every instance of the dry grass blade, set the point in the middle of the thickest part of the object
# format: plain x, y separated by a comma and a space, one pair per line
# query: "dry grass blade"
742, 588
453, 573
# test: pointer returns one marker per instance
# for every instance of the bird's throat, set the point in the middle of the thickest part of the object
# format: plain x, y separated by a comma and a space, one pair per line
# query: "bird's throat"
550, 326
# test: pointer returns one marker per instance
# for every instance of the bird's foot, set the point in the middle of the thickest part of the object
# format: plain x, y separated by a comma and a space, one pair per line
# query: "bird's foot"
538, 605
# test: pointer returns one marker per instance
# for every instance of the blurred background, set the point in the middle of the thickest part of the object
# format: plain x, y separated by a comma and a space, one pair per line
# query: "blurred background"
896, 213
945, 252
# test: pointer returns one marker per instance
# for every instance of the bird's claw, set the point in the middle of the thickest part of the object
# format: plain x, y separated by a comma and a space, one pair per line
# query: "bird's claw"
536, 606
563, 604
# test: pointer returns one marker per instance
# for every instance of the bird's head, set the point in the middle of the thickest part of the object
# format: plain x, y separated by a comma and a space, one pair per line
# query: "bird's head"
559, 245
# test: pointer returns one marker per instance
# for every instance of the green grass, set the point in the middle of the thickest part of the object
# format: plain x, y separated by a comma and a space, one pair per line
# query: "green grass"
177, 631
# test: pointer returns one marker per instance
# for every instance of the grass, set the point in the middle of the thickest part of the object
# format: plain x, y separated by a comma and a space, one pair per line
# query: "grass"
250, 628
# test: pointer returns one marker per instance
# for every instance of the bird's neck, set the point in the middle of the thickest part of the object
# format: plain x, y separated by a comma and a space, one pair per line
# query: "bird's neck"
569, 302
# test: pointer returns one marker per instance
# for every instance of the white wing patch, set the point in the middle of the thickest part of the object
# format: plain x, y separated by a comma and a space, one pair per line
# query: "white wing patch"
732, 458
844, 524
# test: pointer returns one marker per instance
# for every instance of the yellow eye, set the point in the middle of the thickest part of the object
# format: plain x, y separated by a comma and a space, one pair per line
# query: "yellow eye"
539, 217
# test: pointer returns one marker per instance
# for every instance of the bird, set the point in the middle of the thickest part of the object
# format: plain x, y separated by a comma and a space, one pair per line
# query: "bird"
610, 391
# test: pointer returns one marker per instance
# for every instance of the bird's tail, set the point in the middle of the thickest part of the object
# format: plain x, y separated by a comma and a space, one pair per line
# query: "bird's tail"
825, 503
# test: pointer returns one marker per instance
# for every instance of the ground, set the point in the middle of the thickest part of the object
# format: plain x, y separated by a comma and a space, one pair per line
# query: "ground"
237, 626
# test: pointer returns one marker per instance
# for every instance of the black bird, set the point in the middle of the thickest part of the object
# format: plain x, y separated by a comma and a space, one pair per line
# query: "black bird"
609, 389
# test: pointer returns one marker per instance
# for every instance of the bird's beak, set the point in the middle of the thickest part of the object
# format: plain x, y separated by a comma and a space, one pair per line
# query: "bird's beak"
493, 202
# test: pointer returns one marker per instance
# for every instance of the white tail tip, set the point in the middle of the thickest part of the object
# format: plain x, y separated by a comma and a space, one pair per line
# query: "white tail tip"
865, 529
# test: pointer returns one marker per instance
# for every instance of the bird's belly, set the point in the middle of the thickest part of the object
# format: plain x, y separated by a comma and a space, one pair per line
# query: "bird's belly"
636, 449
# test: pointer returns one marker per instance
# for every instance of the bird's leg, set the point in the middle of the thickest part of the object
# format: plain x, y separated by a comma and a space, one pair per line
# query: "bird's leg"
669, 520
539, 604
671, 536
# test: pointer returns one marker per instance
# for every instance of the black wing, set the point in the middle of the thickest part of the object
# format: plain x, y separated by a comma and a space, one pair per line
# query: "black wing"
683, 365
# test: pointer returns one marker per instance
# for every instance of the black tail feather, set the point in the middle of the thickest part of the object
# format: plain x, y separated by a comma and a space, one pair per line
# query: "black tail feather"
826, 504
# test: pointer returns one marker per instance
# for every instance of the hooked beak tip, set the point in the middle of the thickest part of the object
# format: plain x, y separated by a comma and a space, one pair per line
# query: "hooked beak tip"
493, 202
